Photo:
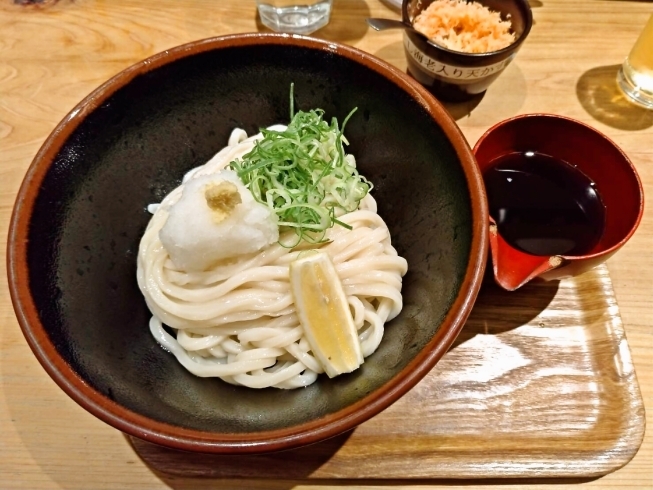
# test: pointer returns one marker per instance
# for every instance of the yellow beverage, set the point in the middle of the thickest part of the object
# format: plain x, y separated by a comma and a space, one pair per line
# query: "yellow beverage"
636, 75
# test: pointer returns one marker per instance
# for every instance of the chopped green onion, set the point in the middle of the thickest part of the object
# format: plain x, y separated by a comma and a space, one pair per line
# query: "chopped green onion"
304, 175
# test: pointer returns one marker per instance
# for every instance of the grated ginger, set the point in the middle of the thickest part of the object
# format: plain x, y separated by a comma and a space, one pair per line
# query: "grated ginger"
222, 198
466, 27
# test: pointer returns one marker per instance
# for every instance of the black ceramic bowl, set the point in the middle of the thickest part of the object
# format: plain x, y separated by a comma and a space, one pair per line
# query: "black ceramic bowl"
81, 211
455, 76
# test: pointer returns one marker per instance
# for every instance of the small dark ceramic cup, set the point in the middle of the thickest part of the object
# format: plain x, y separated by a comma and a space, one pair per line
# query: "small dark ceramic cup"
608, 168
455, 76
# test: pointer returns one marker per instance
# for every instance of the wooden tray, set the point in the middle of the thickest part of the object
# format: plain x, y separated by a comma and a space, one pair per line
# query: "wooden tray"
540, 383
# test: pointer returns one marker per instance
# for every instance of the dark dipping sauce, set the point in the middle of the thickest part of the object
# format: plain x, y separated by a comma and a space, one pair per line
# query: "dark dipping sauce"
544, 206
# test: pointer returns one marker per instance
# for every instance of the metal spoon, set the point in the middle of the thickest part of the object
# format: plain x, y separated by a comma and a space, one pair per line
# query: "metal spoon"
383, 24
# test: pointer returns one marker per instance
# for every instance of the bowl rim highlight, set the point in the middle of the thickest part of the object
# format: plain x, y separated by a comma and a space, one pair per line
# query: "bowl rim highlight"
180, 438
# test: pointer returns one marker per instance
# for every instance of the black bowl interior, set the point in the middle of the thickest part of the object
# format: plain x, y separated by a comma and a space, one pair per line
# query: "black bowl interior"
90, 213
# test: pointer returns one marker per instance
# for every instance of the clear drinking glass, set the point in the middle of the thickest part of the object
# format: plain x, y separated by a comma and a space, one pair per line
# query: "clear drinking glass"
635, 76
294, 16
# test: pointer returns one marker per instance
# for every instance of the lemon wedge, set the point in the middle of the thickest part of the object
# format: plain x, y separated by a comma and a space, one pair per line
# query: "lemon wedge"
324, 313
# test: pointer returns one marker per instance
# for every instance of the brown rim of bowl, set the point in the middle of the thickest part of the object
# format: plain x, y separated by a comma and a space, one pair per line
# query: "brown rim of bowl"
171, 436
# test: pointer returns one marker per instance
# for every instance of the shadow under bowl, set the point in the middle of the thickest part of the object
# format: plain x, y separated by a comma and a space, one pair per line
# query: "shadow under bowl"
454, 76
81, 211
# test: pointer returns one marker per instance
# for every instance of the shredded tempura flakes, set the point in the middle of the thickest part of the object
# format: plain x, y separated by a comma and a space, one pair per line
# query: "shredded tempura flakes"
466, 27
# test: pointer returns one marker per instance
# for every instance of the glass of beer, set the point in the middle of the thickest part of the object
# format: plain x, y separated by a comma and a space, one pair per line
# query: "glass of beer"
635, 76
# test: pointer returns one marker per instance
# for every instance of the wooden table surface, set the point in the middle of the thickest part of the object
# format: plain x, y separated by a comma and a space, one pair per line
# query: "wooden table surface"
54, 53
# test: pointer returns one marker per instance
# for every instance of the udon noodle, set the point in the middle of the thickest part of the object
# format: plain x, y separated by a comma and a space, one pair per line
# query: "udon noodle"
237, 319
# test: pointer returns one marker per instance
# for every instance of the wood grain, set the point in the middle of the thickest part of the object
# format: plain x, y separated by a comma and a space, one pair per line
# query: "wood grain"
52, 55
539, 384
